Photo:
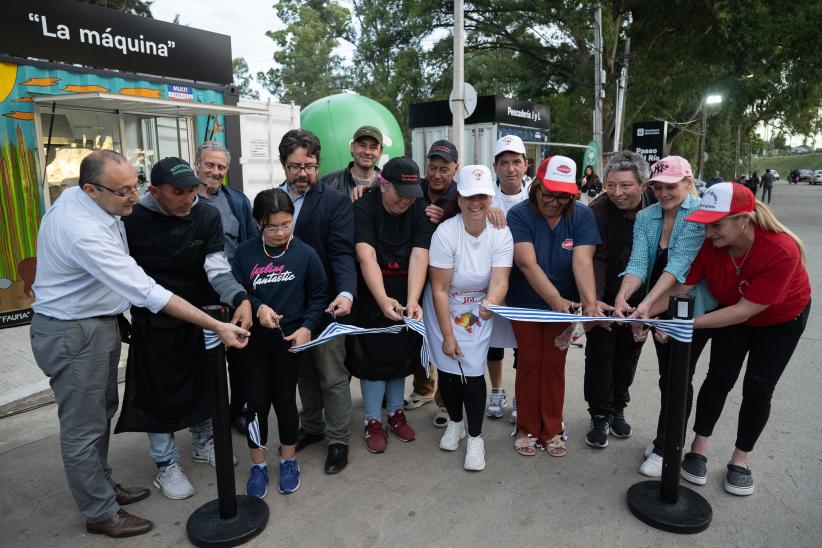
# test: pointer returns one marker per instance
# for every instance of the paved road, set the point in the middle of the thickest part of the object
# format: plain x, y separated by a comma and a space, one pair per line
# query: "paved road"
416, 495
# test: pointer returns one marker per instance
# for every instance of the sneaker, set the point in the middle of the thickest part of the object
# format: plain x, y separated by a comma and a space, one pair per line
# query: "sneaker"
597, 435
441, 418
398, 424
474, 454
376, 440
739, 481
257, 484
694, 468
648, 450
454, 432
205, 453
289, 476
513, 418
497, 403
173, 483
619, 427
652, 467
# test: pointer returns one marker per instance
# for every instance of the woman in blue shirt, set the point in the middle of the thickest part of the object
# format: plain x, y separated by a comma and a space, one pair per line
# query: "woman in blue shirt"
554, 242
663, 250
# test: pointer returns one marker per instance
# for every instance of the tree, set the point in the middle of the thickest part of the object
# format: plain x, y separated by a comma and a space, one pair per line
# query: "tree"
307, 67
135, 7
242, 79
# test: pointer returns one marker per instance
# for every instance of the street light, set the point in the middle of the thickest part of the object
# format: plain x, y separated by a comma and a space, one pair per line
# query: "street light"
709, 100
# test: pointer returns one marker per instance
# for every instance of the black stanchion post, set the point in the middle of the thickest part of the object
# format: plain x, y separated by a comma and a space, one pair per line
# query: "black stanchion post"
665, 504
231, 519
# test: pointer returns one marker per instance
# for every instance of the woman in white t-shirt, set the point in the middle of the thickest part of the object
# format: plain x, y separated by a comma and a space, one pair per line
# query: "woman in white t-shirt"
469, 263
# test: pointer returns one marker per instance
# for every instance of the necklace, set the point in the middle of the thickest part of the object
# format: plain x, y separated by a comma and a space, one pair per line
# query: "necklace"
738, 267
281, 253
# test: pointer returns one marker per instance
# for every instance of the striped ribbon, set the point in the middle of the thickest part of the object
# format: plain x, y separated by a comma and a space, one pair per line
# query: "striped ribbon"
681, 330
254, 432
335, 329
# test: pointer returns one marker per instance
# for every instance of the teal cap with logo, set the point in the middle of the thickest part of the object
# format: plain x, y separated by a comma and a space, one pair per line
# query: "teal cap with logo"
175, 172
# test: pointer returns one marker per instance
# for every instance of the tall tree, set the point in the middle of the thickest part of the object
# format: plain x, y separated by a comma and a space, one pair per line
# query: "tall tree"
135, 7
242, 79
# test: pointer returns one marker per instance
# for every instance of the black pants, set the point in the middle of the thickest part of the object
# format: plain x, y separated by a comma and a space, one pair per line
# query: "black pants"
663, 353
497, 354
270, 378
455, 395
769, 350
235, 381
610, 365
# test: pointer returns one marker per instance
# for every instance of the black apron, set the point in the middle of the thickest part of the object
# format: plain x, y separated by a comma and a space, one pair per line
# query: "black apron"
383, 356
166, 380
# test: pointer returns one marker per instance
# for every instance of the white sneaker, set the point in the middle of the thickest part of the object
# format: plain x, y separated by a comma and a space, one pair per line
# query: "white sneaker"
474, 454
454, 432
513, 418
497, 403
649, 450
205, 453
652, 467
173, 483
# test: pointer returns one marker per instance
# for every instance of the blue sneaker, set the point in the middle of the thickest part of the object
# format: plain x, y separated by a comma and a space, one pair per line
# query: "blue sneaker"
257, 485
289, 476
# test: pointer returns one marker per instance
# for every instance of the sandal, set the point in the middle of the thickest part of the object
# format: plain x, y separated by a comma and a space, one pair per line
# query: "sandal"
556, 447
526, 446
416, 400
441, 418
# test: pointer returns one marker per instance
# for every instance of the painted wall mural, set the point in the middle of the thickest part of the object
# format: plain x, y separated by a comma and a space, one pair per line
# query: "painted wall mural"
21, 190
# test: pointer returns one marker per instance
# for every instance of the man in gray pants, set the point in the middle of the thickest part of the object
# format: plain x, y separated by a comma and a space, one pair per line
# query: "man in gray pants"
85, 281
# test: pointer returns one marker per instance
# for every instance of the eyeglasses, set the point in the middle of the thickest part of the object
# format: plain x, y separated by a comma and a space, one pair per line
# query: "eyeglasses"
559, 198
274, 229
129, 192
295, 169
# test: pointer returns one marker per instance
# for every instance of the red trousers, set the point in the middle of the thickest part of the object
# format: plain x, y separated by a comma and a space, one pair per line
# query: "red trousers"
540, 384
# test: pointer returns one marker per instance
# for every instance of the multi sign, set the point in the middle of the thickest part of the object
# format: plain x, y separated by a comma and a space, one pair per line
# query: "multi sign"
75, 32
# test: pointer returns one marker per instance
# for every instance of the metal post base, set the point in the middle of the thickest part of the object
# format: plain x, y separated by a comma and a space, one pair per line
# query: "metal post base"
205, 528
691, 513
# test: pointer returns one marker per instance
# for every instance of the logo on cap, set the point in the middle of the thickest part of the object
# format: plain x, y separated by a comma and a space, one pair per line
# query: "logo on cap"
181, 168
712, 195
477, 173
660, 167
564, 169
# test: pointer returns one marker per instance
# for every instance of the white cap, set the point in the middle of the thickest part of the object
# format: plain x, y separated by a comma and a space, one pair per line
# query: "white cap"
509, 143
475, 180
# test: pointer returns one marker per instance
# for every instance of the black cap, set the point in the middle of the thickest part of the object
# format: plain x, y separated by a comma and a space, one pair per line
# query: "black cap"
368, 131
175, 172
404, 174
444, 149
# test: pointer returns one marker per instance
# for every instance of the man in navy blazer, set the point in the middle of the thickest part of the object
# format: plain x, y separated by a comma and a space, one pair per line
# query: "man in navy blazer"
324, 219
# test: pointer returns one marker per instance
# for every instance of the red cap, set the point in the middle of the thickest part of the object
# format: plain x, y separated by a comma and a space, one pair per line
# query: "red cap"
721, 200
558, 174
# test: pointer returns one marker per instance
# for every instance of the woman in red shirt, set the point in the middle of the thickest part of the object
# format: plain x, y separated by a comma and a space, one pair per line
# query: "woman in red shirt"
755, 267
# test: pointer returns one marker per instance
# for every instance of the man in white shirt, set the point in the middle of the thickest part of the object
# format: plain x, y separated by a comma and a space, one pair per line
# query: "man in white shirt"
85, 280
510, 165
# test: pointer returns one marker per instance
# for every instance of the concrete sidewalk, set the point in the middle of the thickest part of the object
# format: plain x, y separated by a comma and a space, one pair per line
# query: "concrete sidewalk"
417, 495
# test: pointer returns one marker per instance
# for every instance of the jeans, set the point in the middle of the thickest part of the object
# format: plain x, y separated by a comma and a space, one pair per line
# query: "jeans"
373, 392
769, 349
164, 449
766, 189
610, 365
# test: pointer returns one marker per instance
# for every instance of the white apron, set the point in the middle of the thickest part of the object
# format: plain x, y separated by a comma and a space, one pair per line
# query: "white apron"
473, 334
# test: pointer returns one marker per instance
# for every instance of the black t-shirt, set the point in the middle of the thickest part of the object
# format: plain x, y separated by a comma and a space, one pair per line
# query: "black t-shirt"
172, 249
393, 237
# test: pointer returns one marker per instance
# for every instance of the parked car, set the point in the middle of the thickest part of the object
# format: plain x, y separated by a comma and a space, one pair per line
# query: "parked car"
804, 175
817, 177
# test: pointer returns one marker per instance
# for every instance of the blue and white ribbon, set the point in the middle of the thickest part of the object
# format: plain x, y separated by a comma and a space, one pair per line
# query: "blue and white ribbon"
681, 330
335, 329
254, 432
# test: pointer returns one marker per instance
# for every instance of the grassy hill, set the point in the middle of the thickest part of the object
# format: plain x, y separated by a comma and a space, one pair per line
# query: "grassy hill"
785, 164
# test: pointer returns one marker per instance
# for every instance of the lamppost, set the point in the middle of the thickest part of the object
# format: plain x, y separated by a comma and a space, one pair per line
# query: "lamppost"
709, 100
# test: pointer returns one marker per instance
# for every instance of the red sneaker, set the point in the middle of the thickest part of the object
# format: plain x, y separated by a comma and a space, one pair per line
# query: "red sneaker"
376, 440
400, 426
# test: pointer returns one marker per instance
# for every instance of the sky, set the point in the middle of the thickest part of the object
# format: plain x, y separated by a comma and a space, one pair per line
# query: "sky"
246, 21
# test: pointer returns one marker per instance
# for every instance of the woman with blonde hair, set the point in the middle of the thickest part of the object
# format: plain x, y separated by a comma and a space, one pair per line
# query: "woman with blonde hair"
664, 247
756, 269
